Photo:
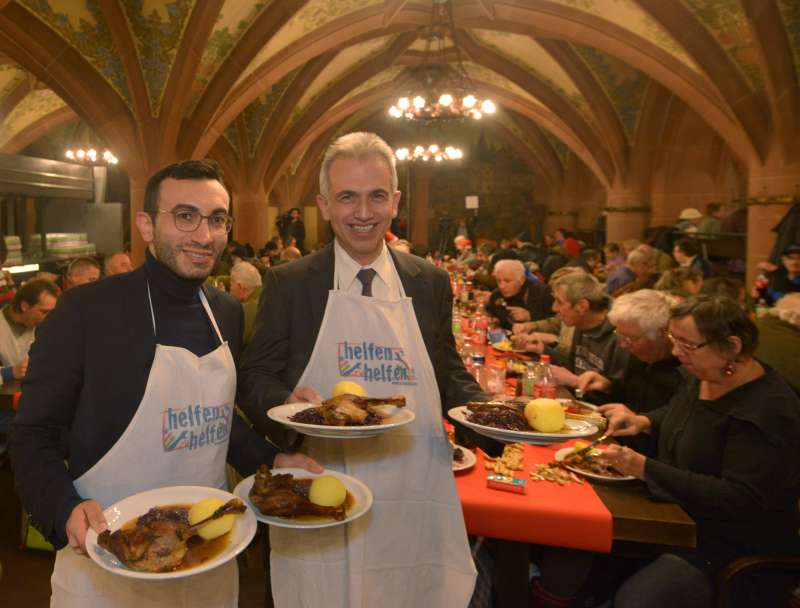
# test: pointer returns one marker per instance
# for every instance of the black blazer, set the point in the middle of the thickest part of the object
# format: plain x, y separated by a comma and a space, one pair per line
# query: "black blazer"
292, 305
87, 374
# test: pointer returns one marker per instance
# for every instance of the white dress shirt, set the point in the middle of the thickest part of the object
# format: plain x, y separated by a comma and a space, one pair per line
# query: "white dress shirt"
385, 284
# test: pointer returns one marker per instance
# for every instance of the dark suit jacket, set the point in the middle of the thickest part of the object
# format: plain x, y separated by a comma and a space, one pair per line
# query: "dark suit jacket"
290, 314
88, 370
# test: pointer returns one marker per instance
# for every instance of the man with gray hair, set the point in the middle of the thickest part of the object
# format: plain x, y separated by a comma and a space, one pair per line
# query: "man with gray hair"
246, 287
357, 310
635, 270
581, 302
651, 378
517, 299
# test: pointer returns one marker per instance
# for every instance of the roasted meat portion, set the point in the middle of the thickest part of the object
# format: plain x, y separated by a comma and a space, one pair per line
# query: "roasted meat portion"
284, 496
348, 410
499, 415
157, 541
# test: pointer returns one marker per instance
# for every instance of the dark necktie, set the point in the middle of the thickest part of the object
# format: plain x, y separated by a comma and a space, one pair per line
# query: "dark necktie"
365, 275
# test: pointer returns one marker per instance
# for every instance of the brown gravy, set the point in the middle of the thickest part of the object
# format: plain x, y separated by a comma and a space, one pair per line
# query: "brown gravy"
200, 550
349, 502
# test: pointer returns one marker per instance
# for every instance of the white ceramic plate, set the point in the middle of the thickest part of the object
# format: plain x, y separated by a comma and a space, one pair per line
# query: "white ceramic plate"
361, 494
397, 416
467, 462
134, 506
577, 428
564, 452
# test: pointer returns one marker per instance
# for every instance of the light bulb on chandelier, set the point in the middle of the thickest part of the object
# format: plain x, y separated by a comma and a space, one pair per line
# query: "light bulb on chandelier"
445, 107
91, 156
433, 151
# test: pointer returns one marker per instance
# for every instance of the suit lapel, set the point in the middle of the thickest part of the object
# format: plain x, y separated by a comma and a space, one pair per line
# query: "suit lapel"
136, 308
320, 282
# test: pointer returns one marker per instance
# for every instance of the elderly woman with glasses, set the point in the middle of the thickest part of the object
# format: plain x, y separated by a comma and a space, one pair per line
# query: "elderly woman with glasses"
651, 376
724, 448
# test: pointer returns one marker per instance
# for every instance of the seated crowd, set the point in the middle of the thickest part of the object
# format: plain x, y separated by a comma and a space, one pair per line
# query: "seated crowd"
701, 394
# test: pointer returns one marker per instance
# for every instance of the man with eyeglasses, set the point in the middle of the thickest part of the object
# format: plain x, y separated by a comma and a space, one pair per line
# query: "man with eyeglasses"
147, 395
651, 376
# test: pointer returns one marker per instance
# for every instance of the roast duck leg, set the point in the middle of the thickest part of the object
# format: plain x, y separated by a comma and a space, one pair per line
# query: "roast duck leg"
284, 496
350, 410
157, 542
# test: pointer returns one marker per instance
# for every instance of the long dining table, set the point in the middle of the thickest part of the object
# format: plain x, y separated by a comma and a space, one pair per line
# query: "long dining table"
555, 515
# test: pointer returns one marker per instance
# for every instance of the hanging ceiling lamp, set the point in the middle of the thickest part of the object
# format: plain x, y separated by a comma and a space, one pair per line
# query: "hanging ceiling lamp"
83, 148
432, 152
446, 91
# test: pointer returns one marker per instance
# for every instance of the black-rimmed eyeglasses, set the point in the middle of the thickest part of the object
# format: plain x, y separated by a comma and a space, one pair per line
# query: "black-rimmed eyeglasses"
189, 220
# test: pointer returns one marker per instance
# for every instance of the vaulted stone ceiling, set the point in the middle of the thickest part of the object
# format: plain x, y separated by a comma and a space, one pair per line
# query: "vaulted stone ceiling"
264, 85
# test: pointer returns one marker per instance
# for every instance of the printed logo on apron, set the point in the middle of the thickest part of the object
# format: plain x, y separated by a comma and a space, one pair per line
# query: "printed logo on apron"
195, 426
373, 362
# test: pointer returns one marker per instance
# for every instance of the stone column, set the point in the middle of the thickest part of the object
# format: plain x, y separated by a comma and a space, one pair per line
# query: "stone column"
560, 219
773, 188
137, 185
626, 222
418, 201
251, 224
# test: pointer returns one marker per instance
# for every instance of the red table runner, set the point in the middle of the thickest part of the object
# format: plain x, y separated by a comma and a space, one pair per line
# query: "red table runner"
548, 514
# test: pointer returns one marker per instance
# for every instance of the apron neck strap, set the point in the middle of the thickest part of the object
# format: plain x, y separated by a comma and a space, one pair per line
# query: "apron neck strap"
206, 306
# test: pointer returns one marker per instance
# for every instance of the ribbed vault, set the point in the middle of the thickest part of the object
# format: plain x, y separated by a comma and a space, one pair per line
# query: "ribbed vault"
265, 85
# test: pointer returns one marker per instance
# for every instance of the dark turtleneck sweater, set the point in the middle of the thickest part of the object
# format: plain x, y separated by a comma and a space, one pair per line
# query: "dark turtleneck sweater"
180, 317
88, 371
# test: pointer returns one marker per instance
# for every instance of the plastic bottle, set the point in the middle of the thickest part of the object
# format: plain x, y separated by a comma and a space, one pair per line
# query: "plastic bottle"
529, 379
545, 385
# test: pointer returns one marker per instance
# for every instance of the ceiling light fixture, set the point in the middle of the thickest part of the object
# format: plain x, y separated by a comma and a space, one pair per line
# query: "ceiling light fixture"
91, 157
433, 152
448, 93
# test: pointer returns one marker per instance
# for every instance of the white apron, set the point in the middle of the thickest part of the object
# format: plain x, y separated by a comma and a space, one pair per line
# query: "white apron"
178, 436
411, 549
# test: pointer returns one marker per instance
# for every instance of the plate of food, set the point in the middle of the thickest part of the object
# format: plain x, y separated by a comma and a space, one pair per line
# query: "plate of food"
540, 421
588, 465
463, 459
583, 410
505, 346
172, 532
296, 498
345, 416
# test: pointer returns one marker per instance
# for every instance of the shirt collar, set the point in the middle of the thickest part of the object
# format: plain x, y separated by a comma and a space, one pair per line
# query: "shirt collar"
347, 267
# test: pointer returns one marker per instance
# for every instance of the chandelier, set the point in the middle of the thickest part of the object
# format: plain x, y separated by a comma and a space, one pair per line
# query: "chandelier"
447, 90
432, 152
91, 156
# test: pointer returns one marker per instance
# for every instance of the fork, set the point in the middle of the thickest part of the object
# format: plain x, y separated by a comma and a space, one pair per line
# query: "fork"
584, 450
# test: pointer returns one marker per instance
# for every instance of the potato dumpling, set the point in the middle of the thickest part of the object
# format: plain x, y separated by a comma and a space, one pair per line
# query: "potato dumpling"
327, 491
346, 387
545, 415
213, 529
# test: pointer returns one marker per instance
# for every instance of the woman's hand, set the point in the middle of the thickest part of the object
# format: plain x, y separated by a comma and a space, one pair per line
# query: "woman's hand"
622, 421
624, 460
297, 460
